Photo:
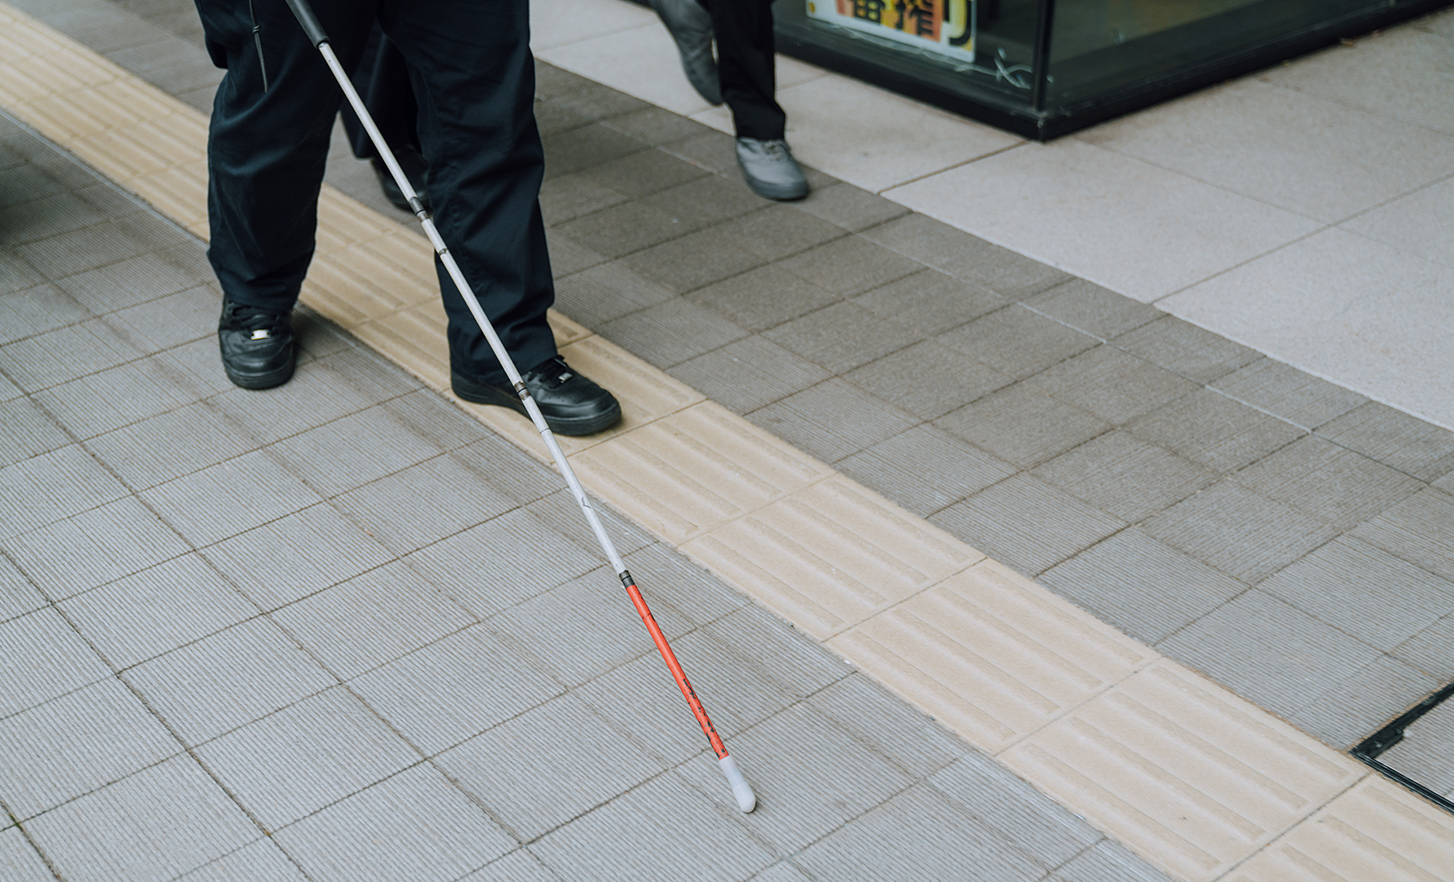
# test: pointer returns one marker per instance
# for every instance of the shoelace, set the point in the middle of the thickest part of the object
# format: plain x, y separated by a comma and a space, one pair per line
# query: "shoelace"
260, 322
556, 368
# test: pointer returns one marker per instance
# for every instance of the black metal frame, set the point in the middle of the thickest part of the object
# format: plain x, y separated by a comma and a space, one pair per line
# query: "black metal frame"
1375, 745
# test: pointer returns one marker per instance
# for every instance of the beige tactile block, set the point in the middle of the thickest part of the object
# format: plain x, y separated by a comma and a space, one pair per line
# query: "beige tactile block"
415, 340
344, 221
1191, 777
565, 329
830, 556
992, 655
1378, 830
370, 280
646, 394
180, 193
145, 148
694, 471
84, 113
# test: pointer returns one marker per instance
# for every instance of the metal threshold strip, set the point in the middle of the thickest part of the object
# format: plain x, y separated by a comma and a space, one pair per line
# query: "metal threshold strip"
1381, 741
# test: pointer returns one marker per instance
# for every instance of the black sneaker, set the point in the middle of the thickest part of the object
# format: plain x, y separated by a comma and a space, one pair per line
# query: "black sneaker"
257, 346
570, 403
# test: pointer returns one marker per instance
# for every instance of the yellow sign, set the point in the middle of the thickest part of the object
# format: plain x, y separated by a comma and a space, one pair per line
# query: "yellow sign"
944, 27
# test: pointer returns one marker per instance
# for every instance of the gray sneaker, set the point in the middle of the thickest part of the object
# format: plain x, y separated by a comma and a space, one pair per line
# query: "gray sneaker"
691, 26
770, 169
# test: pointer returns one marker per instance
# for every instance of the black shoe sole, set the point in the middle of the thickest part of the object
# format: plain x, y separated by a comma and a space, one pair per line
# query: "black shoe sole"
260, 381
479, 393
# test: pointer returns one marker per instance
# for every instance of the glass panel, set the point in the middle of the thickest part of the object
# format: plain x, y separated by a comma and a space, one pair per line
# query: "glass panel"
981, 50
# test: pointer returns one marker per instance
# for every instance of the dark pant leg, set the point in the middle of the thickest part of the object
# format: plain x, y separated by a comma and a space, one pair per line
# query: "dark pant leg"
382, 80
745, 66
266, 147
475, 82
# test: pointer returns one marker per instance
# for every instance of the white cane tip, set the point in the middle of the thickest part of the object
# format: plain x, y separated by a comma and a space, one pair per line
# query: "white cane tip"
741, 790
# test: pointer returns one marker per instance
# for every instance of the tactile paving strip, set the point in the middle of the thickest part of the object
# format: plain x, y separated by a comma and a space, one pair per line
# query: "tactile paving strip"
1144, 749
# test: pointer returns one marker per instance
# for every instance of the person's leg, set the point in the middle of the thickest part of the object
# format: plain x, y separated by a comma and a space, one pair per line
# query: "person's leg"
475, 82
382, 81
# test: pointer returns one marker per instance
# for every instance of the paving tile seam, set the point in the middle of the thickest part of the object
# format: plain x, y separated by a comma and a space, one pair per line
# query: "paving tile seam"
1083, 704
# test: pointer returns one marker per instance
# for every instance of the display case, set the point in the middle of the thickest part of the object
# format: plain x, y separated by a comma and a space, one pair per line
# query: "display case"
1044, 68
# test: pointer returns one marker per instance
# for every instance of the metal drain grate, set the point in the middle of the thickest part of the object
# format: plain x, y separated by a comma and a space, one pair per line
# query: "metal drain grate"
1386, 738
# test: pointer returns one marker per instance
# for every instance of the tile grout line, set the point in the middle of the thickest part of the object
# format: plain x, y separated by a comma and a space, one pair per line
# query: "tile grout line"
103, 75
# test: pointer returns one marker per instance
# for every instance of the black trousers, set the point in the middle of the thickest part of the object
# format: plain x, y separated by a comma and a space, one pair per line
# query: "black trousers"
745, 68
382, 80
475, 81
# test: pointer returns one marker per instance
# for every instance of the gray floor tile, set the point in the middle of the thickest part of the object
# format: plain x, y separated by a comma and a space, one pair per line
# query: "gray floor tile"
1017, 341
78, 743
749, 374
1328, 482
1287, 392
930, 302
763, 298
19, 861
1094, 310
1239, 532
500, 563
799, 665
705, 201
641, 699
510, 471
918, 835
666, 577
1022, 425
1218, 432
228, 680
583, 628
1365, 591
643, 173
1395, 439
130, 282
783, 872
652, 125
780, 231
695, 260
93, 548
628, 838
51, 487
309, 755
583, 147
156, 824
64, 354
230, 498
47, 219
967, 257
841, 337
424, 503
156, 610
800, 797
1185, 349
354, 450
260, 861
317, 394
1419, 529
170, 445
565, 198
437, 419
517, 866
169, 320
833, 420
1428, 650
1269, 652
1125, 477
452, 690
910, 739
1424, 753
560, 512
88, 248
568, 257
371, 619
37, 310
26, 431
17, 596
849, 266
999, 801
925, 469
672, 332
412, 826
1355, 708
17, 275
1112, 384
103, 402
103, 29
1026, 524
1108, 861
1142, 586
41, 658
626, 228
547, 767
851, 208
607, 292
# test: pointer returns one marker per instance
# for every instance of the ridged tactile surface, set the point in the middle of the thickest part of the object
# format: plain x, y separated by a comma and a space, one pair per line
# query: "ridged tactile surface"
1189, 776
1377, 830
991, 655
830, 556
694, 471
